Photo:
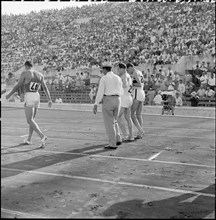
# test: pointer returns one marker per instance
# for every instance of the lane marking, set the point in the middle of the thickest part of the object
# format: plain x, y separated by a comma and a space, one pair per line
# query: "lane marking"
13, 212
155, 155
157, 127
24, 135
134, 159
112, 182
40, 123
90, 110
172, 136
124, 158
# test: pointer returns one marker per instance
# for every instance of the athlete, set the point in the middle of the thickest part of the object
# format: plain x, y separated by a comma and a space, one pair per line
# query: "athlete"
138, 98
126, 102
32, 81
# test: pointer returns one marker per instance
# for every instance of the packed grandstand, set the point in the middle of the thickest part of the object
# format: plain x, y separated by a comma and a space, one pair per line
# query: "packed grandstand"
70, 43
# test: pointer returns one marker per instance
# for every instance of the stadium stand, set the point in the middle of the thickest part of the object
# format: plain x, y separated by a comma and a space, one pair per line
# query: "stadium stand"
155, 35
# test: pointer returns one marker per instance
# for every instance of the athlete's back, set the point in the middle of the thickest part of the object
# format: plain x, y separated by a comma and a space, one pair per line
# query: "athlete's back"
129, 85
33, 80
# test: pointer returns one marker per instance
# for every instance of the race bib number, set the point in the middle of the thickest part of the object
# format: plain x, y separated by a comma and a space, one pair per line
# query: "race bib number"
142, 79
34, 86
131, 89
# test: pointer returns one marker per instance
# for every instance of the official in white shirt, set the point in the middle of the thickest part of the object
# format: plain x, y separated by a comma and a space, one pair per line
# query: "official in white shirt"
109, 91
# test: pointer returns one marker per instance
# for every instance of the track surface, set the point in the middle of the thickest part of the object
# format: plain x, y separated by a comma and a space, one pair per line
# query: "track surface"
170, 173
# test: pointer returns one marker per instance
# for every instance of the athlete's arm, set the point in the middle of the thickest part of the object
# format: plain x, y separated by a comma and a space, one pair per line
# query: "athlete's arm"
125, 81
44, 86
17, 86
138, 83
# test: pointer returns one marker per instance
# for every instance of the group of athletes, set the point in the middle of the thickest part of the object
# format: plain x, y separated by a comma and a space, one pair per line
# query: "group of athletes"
131, 100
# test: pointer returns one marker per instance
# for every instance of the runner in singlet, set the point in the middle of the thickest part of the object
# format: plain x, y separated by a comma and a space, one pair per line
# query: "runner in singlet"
32, 81
126, 102
138, 98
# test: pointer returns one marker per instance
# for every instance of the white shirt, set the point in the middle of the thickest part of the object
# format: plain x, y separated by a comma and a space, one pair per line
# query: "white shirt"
58, 100
179, 101
201, 92
209, 93
211, 81
110, 84
157, 99
181, 88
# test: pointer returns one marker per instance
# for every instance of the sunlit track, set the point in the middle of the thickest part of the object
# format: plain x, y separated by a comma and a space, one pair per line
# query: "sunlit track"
83, 142
146, 134
152, 160
112, 182
146, 127
21, 214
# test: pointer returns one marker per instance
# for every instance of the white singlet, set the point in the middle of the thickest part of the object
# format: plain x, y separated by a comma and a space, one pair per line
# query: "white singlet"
126, 98
138, 92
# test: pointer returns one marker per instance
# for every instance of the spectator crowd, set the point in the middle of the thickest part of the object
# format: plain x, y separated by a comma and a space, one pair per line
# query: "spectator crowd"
201, 85
141, 33
154, 33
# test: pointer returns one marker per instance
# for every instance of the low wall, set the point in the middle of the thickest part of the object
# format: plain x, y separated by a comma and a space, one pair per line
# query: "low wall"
201, 112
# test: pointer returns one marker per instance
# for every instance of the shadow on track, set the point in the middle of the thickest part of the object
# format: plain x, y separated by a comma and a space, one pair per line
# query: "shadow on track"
184, 206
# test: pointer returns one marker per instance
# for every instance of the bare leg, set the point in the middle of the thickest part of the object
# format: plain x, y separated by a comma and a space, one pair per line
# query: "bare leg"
139, 114
30, 128
127, 115
29, 112
133, 115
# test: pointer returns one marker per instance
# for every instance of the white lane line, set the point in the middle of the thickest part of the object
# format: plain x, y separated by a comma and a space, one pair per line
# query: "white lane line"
23, 214
24, 135
172, 136
124, 158
41, 123
90, 110
146, 127
112, 182
155, 155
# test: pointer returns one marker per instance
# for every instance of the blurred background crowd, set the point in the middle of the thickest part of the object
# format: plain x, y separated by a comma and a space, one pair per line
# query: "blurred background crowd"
142, 33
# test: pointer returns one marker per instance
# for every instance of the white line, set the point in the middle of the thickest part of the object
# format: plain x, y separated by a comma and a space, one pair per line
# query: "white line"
22, 213
143, 113
112, 182
24, 135
172, 136
145, 127
155, 155
124, 158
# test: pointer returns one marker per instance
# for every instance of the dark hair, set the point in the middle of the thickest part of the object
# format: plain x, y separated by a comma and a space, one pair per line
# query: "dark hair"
108, 68
121, 65
129, 65
28, 63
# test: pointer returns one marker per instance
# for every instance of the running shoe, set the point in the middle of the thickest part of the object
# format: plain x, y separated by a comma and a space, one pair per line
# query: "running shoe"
130, 139
140, 135
110, 147
43, 142
27, 142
